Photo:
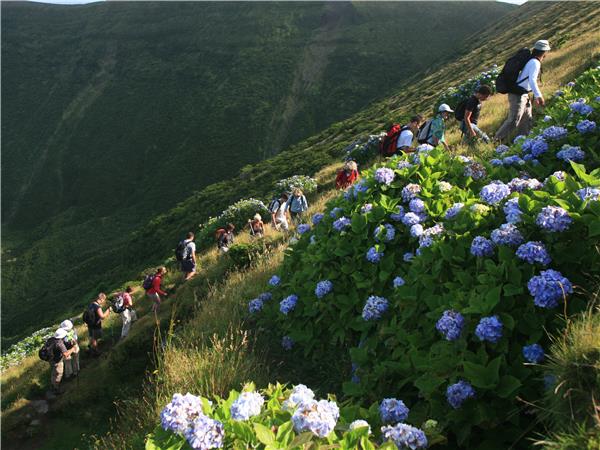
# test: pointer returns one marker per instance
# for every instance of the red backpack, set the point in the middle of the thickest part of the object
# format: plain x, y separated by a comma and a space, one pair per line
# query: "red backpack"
387, 147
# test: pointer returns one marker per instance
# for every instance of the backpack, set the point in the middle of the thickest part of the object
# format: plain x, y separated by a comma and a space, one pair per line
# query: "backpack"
459, 110
46, 353
220, 232
89, 316
507, 81
424, 133
147, 283
387, 147
271, 207
181, 252
117, 305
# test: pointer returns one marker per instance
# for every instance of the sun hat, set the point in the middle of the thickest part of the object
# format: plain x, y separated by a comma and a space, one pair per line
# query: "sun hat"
445, 108
542, 45
66, 325
60, 333
257, 217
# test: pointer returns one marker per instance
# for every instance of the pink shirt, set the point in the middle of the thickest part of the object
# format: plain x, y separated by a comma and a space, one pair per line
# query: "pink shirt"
127, 300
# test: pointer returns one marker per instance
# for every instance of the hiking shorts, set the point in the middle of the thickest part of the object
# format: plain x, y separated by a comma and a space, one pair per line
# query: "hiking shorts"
154, 297
95, 333
188, 266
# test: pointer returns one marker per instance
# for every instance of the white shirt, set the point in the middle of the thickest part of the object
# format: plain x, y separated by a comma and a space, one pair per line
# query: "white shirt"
192, 247
281, 211
531, 71
405, 139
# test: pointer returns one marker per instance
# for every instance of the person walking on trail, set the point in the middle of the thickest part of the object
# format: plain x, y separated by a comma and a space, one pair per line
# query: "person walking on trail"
468, 114
437, 127
519, 102
93, 318
225, 238
347, 176
59, 353
71, 362
128, 314
297, 205
155, 290
407, 134
186, 252
278, 209
257, 227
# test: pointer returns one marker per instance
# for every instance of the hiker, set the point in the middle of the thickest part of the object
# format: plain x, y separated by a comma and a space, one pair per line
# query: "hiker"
93, 318
257, 227
518, 78
407, 133
155, 291
467, 113
435, 129
278, 209
186, 254
128, 314
347, 176
225, 238
57, 356
71, 363
297, 205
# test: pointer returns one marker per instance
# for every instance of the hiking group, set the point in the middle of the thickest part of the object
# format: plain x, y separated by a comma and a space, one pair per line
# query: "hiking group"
518, 78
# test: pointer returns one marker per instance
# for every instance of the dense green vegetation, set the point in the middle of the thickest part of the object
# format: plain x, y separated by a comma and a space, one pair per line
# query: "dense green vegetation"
151, 102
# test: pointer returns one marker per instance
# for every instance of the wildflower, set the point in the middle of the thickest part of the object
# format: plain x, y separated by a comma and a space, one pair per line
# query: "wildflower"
335, 211
416, 205
255, 305
275, 280
318, 417
450, 324
288, 304
512, 211
287, 343
405, 436
410, 219
507, 234
205, 433
392, 410
453, 211
384, 175
180, 412
385, 232
410, 191
366, 208
494, 192
398, 281
398, 215
501, 149
300, 394
570, 153
323, 288
247, 405
303, 228
482, 247
489, 329
458, 393
475, 171
534, 252
553, 219
359, 424
586, 126
533, 353
589, 194
374, 308
444, 186
408, 256
316, 219
548, 288
373, 256
341, 224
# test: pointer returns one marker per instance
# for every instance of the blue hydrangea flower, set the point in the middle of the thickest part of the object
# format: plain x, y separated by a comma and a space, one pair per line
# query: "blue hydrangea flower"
247, 405
489, 329
385, 232
416, 205
404, 165
494, 192
571, 83
335, 212
458, 393
496, 162
318, 417
547, 118
287, 343
512, 160
548, 288
507, 234
475, 171
559, 175
398, 215
255, 305
180, 412
553, 219
589, 194
384, 175
373, 256
512, 210
374, 308
482, 247
205, 433
300, 394
453, 211
533, 353
357, 188
539, 147
450, 324
398, 281
581, 107
392, 410
316, 219
586, 126
554, 133
323, 288
410, 191
341, 224
570, 153
288, 304
355, 425
275, 280
405, 436
519, 138
410, 219
416, 230
366, 208
534, 252
521, 184
408, 256
501, 149
426, 238
303, 228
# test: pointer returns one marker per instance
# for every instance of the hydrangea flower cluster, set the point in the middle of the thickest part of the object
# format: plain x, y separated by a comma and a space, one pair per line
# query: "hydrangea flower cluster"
494, 192
570, 153
559, 175
501, 149
553, 219
496, 162
507, 234
586, 126
458, 393
265, 296
581, 107
403, 165
444, 186
554, 133
287, 343
373, 256
512, 210
533, 353
179, 413
323, 288
411, 219
410, 191
489, 329
255, 305
303, 228
548, 288
475, 171
538, 147
416, 205
374, 308
479, 208
247, 405
398, 281
384, 175
317, 218
453, 211
366, 208
385, 232
341, 224
318, 417
335, 212
274, 281
481, 247
405, 436
589, 194
534, 252
520, 184
205, 433
450, 324
408, 256
398, 215
513, 160
416, 230
288, 304
300, 394
426, 238
355, 425
392, 410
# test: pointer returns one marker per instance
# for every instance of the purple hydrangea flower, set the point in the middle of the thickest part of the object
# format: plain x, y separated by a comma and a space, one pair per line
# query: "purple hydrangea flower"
553, 219
410, 191
494, 192
288, 304
341, 224
404, 165
316, 219
287, 343
554, 133
533, 353
398, 281
534, 252
265, 296
392, 410
303, 228
318, 417
521, 184
323, 288
507, 234
405, 436
589, 194
450, 324
385, 232
482, 247
570, 153
408, 256
398, 215
416, 205
586, 126
458, 393
275, 280
384, 175
416, 230
453, 211
374, 308
512, 211
205, 433
366, 208
489, 329
373, 256
475, 171
180, 412
410, 219
548, 288
501, 149
247, 405
255, 305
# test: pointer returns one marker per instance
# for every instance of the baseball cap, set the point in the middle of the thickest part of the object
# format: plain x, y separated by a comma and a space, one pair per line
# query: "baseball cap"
445, 108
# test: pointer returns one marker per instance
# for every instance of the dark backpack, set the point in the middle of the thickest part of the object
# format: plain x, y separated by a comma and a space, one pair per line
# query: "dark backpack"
507, 81
117, 305
89, 316
424, 132
387, 147
181, 252
46, 353
271, 206
459, 110
147, 283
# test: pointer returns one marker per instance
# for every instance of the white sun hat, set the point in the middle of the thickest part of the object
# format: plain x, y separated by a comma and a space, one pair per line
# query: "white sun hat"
445, 108
542, 45
61, 333
66, 325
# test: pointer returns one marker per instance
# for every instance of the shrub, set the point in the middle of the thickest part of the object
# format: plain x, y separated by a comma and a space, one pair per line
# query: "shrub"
305, 183
241, 256
454, 95
363, 150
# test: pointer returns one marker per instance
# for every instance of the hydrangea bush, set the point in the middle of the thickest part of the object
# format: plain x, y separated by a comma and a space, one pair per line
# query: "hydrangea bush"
305, 183
363, 150
25, 347
454, 95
